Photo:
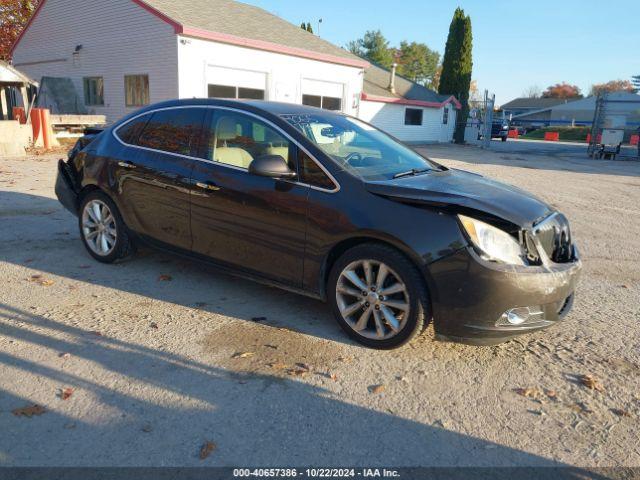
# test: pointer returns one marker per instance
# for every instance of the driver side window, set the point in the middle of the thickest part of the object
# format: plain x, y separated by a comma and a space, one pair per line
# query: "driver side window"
237, 139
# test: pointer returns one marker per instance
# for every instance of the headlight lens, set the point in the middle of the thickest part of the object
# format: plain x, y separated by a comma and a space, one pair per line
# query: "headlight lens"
495, 243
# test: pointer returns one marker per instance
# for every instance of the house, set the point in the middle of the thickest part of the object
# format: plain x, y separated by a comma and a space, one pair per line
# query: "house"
405, 109
122, 54
16, 90
623, 105
523, 105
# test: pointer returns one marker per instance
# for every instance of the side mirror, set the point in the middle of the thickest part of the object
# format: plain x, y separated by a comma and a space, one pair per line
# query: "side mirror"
272, 166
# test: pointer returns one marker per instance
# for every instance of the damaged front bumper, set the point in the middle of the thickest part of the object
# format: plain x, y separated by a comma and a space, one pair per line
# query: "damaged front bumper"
65, 188
484, 303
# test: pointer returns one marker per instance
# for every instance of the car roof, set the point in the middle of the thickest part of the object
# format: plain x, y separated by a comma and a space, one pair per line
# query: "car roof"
273, 108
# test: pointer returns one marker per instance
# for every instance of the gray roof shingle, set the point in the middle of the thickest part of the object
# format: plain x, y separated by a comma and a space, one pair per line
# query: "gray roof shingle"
245, 21
376, 82
533, 103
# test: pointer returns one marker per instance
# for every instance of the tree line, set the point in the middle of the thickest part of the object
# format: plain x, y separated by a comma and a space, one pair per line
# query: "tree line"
568, 91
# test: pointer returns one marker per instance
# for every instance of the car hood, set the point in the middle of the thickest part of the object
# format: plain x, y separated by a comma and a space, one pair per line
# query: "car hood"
465, 191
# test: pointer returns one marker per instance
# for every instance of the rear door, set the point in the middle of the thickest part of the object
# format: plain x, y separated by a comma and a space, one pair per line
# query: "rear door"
254, 223
155, 170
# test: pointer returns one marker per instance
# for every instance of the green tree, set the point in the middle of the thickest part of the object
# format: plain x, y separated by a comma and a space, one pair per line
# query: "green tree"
303, 26
417, 62
374, 47
14, 15
457, 66
309, 28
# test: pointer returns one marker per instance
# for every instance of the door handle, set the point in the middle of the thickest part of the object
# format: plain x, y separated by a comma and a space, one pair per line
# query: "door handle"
126, 164
208, 186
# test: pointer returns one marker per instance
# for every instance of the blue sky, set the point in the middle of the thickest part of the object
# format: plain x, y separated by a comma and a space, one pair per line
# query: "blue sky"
516, 44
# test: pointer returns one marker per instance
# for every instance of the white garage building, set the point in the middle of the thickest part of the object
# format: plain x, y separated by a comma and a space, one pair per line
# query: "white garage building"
123, 54
407, 110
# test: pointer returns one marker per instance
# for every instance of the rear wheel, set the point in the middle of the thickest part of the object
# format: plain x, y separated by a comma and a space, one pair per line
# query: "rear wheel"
378, 296
103, 232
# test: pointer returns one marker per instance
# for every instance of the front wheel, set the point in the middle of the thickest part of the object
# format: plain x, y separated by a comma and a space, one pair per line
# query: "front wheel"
378, 296
103, 232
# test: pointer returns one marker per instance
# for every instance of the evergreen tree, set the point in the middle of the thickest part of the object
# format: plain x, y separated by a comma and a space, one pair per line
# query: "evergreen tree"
457, 66
309, 28
374, 47
303, 26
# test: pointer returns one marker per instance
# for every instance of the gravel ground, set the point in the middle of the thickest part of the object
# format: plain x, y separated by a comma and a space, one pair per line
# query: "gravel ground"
148, 348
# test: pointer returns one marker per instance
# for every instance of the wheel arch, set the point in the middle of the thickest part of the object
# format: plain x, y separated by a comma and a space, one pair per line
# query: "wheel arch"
348, 243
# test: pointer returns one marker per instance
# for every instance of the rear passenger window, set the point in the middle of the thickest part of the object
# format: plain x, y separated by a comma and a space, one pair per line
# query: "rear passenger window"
174, 131
237, 139
312, 174
130, 132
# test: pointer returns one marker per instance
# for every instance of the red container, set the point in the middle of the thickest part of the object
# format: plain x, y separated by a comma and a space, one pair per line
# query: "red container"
35, 123
635, 139
513, 133
552, 136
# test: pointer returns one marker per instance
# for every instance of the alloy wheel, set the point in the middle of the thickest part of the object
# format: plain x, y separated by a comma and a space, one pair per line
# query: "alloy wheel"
372, 299
99, 227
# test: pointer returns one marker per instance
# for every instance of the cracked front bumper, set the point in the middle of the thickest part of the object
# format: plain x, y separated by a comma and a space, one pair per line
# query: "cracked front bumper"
472, 296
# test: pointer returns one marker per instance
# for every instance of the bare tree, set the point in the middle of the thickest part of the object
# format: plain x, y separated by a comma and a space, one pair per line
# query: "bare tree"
534, 91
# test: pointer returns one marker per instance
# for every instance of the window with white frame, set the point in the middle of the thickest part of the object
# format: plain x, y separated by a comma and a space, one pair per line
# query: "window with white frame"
413, 116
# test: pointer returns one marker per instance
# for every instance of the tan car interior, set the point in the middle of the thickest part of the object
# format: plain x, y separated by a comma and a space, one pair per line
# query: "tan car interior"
235, 145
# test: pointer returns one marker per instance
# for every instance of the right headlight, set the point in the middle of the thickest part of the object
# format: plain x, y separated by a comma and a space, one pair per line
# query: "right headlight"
496, 244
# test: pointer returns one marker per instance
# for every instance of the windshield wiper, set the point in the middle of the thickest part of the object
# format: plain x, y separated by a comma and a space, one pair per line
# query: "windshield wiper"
411, 173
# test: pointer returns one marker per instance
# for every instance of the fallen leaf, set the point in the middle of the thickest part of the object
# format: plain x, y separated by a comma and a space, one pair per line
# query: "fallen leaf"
277, 366
154, 325
377, 389
243, 355
207, 449
165, 278
65, 355
65, 393
590, 382
551, 394
29, 411
40, 280
621, 413
300, 370
529, 392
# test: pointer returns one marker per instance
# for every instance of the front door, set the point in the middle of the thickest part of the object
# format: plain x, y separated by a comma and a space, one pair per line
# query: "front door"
254, 223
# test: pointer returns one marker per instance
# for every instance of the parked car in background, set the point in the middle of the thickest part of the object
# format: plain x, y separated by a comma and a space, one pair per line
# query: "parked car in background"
324, 204
500, 130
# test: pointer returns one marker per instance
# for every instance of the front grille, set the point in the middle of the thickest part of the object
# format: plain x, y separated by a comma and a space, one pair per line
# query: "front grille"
554, 236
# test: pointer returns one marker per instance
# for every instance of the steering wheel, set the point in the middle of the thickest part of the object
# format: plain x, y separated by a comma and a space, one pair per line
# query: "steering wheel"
353, 156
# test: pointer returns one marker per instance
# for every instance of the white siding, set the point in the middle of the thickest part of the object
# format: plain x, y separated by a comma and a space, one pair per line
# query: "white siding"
199, 61
390, 118
118, 38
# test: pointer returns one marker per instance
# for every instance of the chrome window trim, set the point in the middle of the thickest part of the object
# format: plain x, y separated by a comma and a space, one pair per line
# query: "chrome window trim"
236, 110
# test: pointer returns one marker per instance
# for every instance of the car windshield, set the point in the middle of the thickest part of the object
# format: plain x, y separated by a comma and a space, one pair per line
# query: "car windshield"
360, 148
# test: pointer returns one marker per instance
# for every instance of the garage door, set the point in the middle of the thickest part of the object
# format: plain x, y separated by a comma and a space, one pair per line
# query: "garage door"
225, 82
318, 93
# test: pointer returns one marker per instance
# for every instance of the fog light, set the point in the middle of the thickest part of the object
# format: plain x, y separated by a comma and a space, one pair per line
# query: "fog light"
521, 315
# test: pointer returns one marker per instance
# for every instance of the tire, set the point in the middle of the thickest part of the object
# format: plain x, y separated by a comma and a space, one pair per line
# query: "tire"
113, 228
404, 325
504, 139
